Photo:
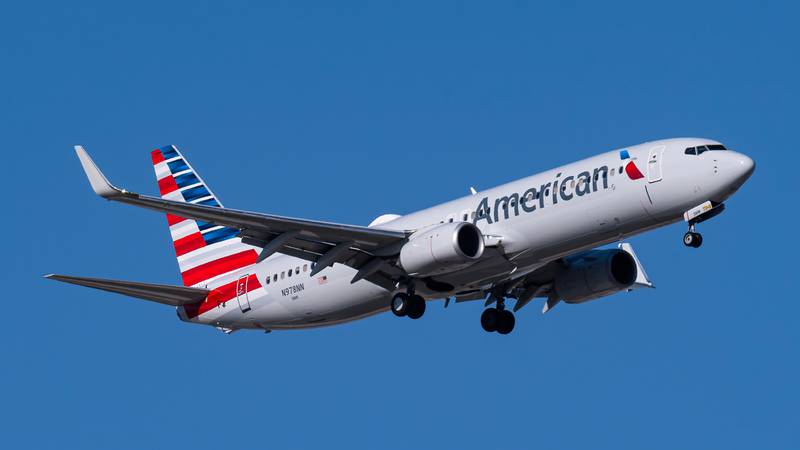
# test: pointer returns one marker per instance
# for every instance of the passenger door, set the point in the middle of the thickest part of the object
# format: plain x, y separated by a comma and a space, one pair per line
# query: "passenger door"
654, 164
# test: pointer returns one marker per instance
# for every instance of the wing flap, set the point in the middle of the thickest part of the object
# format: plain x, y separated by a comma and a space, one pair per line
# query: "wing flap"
159, 293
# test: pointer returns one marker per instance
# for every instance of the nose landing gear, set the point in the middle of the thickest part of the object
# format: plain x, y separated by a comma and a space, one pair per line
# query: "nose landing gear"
699, 213
410, 305
498, 319
692, 238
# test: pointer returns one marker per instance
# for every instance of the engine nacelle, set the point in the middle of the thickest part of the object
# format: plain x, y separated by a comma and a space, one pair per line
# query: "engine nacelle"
595, 274
442, 249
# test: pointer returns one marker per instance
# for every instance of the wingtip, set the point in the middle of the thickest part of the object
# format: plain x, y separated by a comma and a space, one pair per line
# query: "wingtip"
98, 181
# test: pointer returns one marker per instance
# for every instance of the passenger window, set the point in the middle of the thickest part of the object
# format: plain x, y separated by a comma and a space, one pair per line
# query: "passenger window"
283, 275
612, 171
620, 169
268, 279
297, 270
450, 220
466, 216
275, 277
290, 273
305, 267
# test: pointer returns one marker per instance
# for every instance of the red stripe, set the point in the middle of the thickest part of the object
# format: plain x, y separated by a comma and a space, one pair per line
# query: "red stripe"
173, 219
219, 296
156, 156
218, 267
167, 185
189, 243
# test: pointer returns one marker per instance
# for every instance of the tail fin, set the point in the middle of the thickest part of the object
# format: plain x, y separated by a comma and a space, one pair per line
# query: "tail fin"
205, 251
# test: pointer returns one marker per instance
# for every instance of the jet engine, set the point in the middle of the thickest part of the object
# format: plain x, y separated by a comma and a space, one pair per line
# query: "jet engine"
595, 274
442, 249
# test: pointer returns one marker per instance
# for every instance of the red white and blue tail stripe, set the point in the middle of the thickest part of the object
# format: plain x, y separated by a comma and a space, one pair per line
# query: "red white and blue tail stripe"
205, 252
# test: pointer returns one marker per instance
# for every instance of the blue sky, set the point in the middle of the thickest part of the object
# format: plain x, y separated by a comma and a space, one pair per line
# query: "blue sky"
343, 113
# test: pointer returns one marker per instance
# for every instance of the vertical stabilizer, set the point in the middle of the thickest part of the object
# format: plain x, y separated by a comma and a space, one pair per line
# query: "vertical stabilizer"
205, 251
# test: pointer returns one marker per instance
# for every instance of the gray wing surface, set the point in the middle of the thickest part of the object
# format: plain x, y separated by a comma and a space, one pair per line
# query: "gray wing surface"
308, 239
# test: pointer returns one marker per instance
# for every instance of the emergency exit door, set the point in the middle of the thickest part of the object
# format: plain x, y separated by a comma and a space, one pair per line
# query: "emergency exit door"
241, 293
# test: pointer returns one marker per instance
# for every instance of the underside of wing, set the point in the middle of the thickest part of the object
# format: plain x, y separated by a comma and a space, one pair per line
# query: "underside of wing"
159, 293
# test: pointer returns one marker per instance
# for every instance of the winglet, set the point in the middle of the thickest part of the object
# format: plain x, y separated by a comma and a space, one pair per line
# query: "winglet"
96, 178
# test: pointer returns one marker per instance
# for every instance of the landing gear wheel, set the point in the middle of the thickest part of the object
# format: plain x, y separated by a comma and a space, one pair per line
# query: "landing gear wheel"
416, 307
490, 319
692, 239
506, 322
400, 304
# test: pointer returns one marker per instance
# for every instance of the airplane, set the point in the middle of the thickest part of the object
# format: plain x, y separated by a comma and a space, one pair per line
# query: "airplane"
536, 237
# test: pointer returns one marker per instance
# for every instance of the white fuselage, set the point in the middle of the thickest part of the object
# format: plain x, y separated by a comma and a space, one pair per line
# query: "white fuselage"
534, 220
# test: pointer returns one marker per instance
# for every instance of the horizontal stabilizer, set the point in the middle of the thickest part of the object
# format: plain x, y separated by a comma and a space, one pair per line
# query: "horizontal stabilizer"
159, 293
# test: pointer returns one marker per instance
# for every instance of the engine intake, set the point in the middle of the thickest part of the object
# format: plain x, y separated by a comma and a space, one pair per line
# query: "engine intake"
595, 274
442, 249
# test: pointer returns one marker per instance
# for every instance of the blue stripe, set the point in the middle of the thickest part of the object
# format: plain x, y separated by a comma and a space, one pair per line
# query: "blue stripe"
205, 225
177, 166
208, 202
195, 193
220, 235
168, 152
186, 179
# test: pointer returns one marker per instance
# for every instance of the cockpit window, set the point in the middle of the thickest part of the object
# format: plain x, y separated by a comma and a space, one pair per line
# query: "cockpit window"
703, 148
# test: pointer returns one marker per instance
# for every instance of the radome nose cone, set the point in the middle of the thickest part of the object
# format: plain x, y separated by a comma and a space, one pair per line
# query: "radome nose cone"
746, 166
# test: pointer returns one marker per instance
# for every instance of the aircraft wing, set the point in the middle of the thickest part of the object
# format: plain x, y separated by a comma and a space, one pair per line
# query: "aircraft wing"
322, 242
159, 293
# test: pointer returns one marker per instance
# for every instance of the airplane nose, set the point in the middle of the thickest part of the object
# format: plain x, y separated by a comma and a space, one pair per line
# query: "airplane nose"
744, 166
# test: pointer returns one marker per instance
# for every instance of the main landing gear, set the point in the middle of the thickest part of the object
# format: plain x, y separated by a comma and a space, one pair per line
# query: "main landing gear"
410, 305
692, 238
498, 319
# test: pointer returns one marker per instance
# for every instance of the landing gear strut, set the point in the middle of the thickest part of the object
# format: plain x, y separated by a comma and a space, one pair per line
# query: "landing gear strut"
410, 305
498, 319
692, 238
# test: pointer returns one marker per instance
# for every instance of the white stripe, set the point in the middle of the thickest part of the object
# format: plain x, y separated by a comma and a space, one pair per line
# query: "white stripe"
177, 174
174, 158
174, 196
183, 229
226, 277
209, 253
162, 170
190, 186
212, 229
202, 199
